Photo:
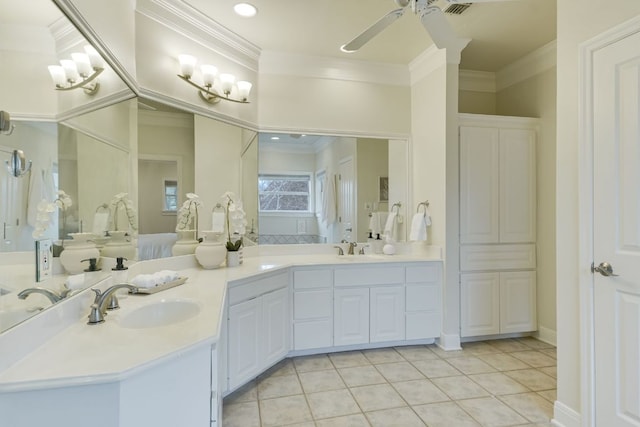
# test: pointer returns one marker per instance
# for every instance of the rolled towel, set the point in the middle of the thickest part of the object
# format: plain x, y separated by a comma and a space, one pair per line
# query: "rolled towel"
75, 281
144, 281
217, 222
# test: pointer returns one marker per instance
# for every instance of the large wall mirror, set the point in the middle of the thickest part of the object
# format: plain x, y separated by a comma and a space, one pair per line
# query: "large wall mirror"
74, 142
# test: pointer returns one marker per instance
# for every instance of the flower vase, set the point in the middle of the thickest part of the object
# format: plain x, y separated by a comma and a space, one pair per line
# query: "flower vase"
233, 258
211, 252
118, 246
77, 250
186, 244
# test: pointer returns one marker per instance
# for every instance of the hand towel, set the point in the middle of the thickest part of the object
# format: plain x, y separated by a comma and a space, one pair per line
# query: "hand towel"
329, 214
389, 227
100, 223
419, 224
217, 222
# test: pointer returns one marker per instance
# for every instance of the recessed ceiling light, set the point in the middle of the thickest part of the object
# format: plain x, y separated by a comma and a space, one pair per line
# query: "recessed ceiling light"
245, 9
275, 138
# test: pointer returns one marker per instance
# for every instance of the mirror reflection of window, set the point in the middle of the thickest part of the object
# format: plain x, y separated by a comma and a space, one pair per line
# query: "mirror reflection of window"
170, 196
284, 193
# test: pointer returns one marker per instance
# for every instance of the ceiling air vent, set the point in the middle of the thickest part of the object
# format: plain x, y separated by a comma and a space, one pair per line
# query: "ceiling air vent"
456, 9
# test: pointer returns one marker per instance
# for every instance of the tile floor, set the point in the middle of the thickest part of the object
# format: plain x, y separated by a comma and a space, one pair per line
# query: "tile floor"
510, 382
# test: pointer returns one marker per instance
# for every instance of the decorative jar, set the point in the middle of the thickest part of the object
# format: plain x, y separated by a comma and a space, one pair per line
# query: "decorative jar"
211, 252
186, 244
76, 250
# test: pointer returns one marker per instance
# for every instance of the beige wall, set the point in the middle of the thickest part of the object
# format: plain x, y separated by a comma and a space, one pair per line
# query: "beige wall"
473, 102
536, 97
151, 177
578, 21
372, 162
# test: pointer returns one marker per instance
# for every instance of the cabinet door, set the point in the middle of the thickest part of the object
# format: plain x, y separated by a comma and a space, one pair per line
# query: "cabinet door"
351, 322
275, 326
479, 185
517, 186
313, 319
386, 314
480, 307
245, 321
518, 302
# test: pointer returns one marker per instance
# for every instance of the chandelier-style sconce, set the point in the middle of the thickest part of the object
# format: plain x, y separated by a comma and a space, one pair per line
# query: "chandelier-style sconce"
80, 72
214, 84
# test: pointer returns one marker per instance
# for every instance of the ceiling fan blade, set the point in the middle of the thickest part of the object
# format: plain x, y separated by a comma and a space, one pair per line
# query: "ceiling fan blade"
372, 31
475, 1
436, 24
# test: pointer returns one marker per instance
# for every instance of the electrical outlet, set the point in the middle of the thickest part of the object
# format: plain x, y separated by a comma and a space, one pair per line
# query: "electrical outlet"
44, 259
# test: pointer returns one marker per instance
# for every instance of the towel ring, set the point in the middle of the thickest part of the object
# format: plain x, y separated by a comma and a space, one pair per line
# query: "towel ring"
396, 205
218, 206
103, 206
425, 204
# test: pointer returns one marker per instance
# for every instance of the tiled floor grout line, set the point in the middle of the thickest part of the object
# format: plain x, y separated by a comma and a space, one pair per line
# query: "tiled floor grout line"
377, 361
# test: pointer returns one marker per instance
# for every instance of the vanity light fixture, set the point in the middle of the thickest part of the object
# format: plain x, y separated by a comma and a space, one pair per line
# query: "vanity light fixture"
80, 72
214, 84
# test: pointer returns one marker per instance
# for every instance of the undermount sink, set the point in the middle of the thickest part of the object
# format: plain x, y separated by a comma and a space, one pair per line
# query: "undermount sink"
360, 258
161, 313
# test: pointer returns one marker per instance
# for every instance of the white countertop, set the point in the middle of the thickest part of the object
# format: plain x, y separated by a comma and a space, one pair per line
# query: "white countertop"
81, 354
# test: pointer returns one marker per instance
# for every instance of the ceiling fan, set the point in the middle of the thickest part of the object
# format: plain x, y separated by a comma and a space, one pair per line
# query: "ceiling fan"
431, 17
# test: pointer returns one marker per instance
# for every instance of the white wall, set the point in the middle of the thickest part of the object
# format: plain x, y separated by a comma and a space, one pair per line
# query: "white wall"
151, 177
217, 163
578, 20
373, 162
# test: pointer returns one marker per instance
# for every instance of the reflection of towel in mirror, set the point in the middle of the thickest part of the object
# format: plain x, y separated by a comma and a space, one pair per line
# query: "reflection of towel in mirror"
100, 223
419, 225
329, 199
377, 222
390, 226
217, 222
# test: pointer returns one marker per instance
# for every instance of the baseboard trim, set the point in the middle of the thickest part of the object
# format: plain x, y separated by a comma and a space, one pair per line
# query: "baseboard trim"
449, 342
563, 416
547, 335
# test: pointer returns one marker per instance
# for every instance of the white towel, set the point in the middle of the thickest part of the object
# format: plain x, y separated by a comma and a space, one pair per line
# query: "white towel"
329, 214
217, 222
419, 225
389, 227
100, 223
377, 222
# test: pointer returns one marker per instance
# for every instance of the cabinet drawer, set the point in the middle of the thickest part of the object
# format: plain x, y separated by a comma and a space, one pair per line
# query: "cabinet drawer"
368, 276
315, 334
309, 279
256, 288
424, 273
312, 304
423, 298
497, 257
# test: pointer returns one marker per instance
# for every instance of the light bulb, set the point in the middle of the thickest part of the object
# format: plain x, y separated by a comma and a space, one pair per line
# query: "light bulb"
243, 89
208, 74
57, 75
226, 82
94, 57
70, 70
187, 65
82, 63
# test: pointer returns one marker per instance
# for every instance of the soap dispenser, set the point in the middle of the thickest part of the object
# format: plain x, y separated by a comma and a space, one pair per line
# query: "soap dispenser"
91, 272
119, 273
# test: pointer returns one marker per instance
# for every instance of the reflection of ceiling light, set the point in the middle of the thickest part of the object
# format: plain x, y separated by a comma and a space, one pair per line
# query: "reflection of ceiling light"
245, 9
275, 138
214, 85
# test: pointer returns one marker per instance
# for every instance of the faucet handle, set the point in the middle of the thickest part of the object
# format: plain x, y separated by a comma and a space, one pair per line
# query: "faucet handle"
361, 251
340, 250
98, 295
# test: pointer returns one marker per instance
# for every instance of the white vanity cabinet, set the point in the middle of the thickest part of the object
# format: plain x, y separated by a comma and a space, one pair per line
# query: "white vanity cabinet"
312, 308
423, 304
369, 304
258, 321
497, 224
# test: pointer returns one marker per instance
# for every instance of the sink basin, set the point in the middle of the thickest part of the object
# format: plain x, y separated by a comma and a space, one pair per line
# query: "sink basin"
361, 258
161, 313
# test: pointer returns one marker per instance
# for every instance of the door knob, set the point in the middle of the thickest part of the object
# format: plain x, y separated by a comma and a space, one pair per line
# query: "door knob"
604, 268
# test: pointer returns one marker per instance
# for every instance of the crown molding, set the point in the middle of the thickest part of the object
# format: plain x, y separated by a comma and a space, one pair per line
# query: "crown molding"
287, 64
66, 36
536, 62
195, 25
164, 118
433, 58
477, 81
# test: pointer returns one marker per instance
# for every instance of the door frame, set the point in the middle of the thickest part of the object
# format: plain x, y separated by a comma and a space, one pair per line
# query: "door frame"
587, 50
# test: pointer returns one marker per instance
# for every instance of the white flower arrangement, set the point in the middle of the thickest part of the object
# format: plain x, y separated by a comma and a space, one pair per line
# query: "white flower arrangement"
188, 213
236, 220
45, 209
118, 200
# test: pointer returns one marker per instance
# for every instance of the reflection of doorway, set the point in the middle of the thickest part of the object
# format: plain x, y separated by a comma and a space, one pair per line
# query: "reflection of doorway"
346, 200
157, 181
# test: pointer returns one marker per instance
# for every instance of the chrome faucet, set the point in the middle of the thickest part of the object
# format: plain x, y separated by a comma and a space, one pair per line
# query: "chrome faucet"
106, 301
340, 250
352, 246
53, 296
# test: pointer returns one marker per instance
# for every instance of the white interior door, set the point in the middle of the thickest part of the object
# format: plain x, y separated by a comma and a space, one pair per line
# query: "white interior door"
616, 231
346, 200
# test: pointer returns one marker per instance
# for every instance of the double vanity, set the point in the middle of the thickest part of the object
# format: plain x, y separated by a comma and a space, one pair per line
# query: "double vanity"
168, 358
